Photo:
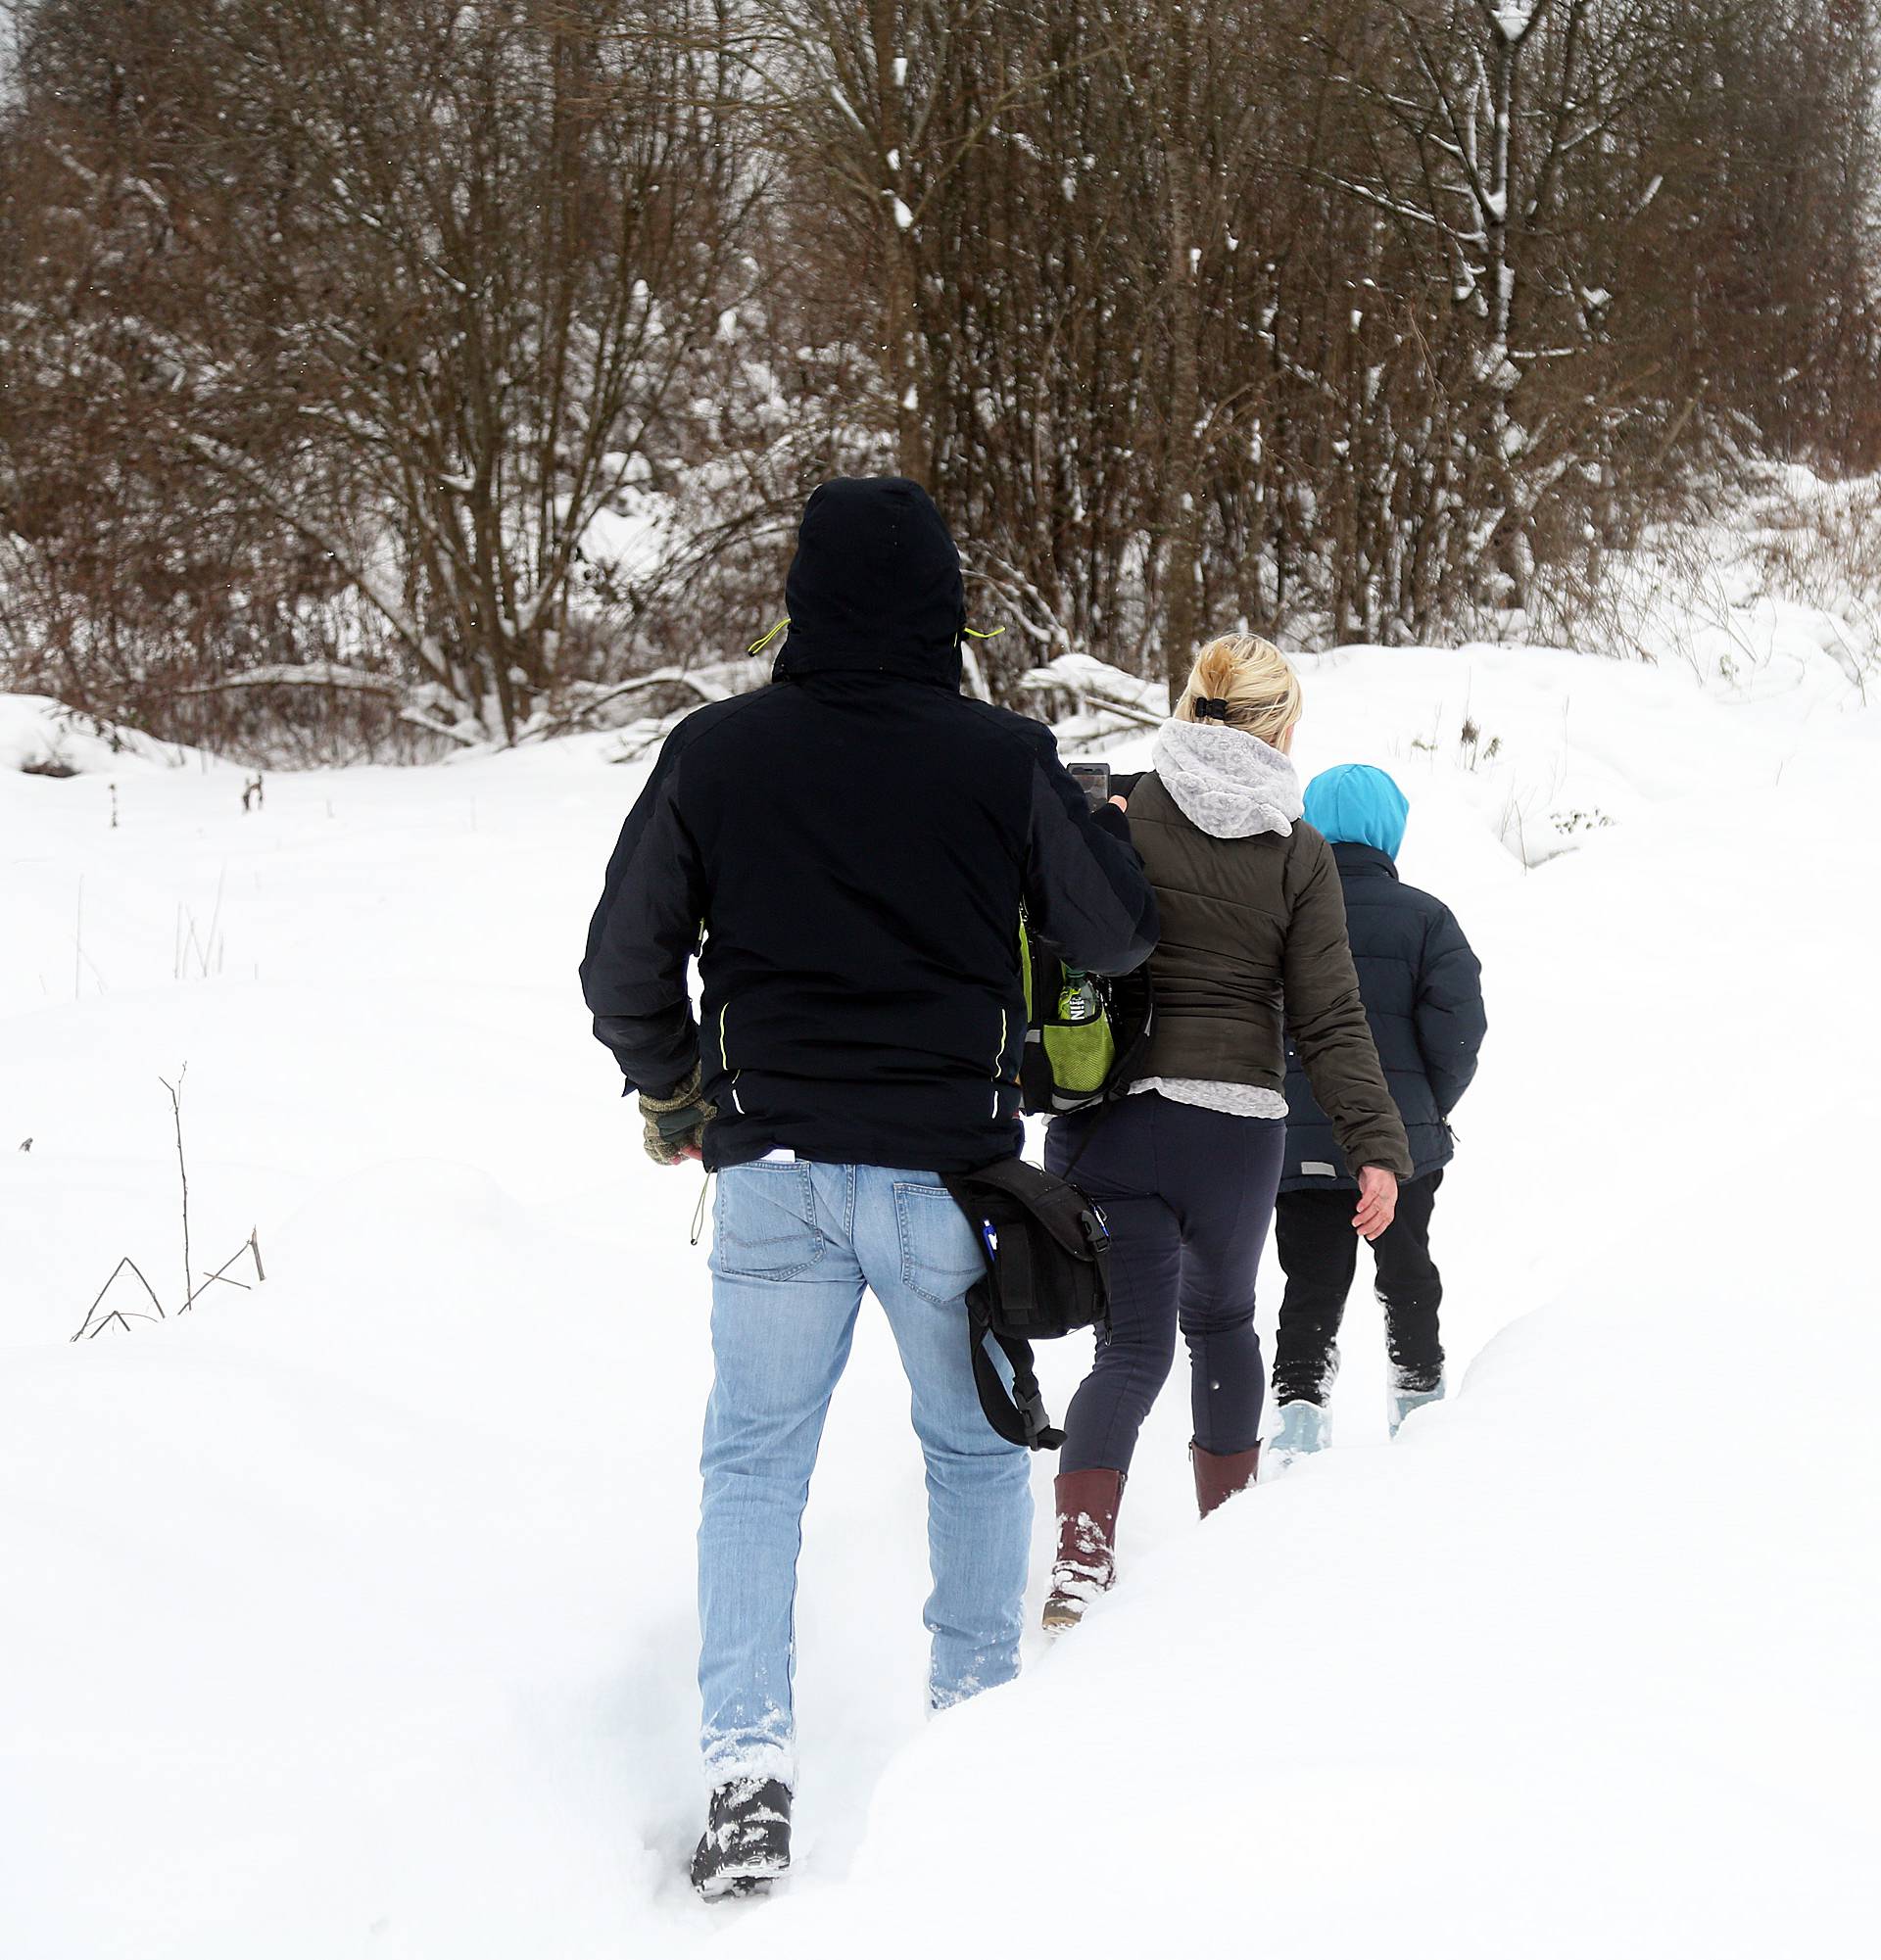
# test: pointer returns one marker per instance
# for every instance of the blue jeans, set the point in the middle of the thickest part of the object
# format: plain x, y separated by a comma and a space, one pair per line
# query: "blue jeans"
793, 1246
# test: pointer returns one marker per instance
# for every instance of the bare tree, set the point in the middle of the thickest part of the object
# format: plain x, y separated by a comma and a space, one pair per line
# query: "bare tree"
396, 364
449, 268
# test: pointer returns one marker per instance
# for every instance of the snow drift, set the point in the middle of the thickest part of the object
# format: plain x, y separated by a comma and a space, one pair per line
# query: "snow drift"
353, 1613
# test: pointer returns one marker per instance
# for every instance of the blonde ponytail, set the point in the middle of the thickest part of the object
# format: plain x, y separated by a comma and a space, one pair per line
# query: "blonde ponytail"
1251, 680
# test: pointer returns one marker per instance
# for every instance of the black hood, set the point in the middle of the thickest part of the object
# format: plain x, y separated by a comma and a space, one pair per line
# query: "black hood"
874, 585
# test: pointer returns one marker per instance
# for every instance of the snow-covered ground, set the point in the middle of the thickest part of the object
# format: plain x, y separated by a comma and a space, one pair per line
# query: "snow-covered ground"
352, 1613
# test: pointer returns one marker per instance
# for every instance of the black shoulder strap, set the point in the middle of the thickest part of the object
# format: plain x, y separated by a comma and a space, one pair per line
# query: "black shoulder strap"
1091, 1128
1021, 1416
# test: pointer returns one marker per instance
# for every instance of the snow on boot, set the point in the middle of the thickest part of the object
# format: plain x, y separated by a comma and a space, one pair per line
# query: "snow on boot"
747, 1842
1305, 1429
1401, 1400
1218, 1478
1087, 1564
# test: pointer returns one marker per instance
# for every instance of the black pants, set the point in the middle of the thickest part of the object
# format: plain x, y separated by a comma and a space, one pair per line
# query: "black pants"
1189, 1193
1319, 1251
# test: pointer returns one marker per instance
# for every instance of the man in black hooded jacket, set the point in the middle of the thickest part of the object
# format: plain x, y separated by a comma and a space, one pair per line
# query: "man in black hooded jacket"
847, 852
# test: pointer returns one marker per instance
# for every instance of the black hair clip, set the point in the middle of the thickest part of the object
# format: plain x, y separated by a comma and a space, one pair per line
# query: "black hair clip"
1210, 707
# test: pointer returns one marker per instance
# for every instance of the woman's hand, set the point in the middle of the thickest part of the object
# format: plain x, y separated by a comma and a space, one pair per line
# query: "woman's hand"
1122, 803
1377, 1202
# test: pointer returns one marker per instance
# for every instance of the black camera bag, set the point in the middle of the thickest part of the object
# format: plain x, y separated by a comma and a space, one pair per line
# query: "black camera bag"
1047, 1253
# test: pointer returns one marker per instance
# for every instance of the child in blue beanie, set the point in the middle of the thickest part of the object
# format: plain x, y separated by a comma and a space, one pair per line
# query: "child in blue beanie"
1422, 991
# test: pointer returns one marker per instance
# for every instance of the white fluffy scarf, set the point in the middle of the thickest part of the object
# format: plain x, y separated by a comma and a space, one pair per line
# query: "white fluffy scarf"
1226, 782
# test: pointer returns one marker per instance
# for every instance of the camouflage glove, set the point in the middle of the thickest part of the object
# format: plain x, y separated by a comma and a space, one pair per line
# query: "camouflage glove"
676, 1123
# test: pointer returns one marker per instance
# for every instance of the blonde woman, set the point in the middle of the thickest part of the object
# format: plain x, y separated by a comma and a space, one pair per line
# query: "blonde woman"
1186, 1165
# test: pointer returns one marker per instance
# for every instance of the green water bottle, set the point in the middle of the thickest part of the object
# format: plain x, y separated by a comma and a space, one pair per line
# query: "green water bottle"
1079, 1044
1077, 1003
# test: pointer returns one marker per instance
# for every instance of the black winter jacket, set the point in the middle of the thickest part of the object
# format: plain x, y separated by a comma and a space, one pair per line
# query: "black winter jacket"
1422, 992
848, 850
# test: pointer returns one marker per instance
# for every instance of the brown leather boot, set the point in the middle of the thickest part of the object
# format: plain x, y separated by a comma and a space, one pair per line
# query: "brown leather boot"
1218, 1478
1086, 1562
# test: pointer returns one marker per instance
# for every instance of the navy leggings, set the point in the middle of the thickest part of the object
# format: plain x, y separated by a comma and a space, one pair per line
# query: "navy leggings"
1189, 1195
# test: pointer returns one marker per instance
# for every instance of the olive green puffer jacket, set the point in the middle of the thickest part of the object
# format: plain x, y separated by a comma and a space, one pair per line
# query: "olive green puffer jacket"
1253, 943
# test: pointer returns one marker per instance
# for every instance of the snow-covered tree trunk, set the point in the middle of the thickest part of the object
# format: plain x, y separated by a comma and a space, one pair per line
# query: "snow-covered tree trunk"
1511, 25
902, 360
1181, 465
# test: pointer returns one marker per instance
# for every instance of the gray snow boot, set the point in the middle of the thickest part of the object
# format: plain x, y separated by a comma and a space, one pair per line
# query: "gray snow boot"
1400, 1401
1305, 1428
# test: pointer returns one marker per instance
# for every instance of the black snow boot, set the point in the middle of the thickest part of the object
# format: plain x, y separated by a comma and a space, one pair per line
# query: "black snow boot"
747, 1842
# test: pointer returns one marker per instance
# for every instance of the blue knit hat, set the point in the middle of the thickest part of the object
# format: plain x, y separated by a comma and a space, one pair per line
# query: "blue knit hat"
1353, 804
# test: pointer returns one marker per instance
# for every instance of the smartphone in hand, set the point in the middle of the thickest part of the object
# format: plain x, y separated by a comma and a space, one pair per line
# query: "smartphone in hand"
1094, 779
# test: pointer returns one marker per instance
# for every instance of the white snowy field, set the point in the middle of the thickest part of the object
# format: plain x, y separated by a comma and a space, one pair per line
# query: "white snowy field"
352, 1613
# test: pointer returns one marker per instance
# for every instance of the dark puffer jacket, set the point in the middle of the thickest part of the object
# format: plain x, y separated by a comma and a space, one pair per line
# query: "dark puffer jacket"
1253, 925
1423, 989
854, 843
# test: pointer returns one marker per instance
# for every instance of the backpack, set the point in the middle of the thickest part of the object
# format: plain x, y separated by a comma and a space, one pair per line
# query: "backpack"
1071, 1065
1047, 1252
1046, 1245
